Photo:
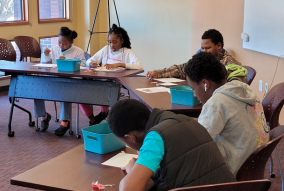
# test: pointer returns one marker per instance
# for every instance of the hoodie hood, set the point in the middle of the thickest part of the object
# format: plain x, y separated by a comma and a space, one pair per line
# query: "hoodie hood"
238, 90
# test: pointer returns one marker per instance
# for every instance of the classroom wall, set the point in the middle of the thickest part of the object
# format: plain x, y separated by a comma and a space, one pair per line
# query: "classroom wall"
160, 30
85, 18
34, 29
165, 32
227, 17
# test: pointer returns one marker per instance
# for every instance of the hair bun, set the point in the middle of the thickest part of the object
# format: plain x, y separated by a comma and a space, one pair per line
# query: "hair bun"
114, 26
74, 34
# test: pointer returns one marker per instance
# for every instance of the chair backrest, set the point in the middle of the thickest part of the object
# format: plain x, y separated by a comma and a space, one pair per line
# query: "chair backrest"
7, 51
87, 55
259, 185
28, 47
251, 74
272, 104
254, 166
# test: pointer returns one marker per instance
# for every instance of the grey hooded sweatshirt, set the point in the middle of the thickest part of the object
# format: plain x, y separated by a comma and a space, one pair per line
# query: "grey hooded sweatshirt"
234, 118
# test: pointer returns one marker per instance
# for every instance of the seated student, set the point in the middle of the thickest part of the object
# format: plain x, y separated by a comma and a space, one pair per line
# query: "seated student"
116, 54
211, 41
231, 112
175, 150
65, 49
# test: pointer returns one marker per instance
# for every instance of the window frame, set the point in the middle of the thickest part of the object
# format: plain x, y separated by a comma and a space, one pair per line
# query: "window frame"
25, 20
49, 36
54, 20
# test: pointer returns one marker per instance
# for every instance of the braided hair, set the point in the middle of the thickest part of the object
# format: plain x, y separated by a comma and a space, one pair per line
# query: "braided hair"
122, 34
67, 33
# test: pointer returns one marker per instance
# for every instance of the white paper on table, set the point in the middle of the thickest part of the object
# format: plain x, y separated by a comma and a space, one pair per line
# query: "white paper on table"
169, 80
103, 69
84, 67
153, 90
119, 160
41, 65
167, 84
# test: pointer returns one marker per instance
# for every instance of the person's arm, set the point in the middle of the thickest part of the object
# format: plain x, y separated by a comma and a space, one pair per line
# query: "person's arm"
175, 71
139, 178
134, 62
214, 120
46, 56
150, 156
131, 62
97, 57
80, 55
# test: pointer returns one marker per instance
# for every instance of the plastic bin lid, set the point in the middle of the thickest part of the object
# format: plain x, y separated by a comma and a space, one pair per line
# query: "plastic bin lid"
182, 88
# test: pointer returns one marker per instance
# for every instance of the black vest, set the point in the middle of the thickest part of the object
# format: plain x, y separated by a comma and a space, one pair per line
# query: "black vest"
191, 156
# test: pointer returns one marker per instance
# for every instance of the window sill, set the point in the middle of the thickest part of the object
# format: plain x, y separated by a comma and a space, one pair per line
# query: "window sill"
11, 23
53, 20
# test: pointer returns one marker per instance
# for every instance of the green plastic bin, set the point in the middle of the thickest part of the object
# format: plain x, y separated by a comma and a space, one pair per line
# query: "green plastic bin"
183, 95
70, 65
100, 139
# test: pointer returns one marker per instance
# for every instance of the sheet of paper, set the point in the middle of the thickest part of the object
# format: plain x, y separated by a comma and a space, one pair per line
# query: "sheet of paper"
119, 160
103, 69
167, 84
84, 67
153, 90
41, 65
169, 80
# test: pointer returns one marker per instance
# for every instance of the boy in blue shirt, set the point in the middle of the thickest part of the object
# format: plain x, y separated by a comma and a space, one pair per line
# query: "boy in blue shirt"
175, 150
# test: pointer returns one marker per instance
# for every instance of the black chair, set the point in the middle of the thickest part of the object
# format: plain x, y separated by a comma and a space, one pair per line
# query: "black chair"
254, 166
7, 51
251, 74
28, 47
272, 106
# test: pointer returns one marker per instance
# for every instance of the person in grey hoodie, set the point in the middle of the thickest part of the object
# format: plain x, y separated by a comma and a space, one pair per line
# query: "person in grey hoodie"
231, 113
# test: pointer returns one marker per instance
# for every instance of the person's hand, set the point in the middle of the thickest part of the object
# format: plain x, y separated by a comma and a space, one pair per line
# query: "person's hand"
112, 66
129, 166
152, 74
93, 64
46, 52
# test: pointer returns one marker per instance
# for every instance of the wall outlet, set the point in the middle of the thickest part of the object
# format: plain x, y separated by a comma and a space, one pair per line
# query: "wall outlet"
266, 87
260, 85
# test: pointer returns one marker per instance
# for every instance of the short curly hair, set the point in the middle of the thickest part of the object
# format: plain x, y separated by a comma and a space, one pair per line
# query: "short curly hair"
128, 115
205, 66
214, 35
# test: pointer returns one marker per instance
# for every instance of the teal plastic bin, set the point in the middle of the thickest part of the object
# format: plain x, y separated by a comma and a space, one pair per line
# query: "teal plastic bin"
100, 139
183, 95
70, 65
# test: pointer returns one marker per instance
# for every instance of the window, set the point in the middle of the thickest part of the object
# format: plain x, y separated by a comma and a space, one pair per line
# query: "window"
53, 11
48, 42
13, 12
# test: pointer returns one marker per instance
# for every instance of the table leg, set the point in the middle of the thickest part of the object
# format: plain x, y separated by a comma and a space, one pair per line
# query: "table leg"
10, 132
31, 123
77, 122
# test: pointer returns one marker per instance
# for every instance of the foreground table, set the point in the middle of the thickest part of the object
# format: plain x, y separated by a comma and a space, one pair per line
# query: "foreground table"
73, 170
157, 100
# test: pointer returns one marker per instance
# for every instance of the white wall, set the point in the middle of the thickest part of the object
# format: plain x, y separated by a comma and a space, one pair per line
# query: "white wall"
160, 30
